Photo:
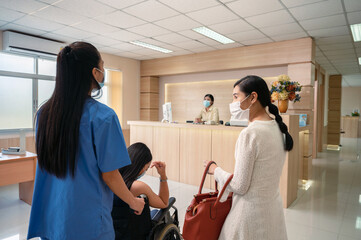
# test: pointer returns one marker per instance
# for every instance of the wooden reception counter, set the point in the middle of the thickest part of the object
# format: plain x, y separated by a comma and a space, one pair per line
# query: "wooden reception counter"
184, 147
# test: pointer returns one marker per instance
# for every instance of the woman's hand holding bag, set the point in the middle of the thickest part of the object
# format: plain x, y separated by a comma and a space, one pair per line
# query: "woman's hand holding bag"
206, 214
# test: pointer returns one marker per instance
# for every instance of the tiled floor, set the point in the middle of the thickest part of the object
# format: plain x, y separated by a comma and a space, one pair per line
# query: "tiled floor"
329, 209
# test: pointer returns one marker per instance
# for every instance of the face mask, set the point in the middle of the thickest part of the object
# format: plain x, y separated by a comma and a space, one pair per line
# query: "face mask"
237, 112
141, 175
101, 84
206, 103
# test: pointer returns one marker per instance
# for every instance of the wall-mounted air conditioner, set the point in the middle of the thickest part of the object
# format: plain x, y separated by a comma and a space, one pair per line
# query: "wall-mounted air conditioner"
22, 43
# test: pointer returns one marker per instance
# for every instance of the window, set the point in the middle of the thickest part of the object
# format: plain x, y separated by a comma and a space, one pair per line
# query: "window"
47, 67
45, 90
16, 103
27, 82
21, 90
17, 63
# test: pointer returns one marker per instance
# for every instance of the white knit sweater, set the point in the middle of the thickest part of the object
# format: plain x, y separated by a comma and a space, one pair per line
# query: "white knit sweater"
257, 211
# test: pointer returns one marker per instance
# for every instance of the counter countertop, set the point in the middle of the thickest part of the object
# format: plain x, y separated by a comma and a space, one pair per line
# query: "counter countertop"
5, 157
184, 125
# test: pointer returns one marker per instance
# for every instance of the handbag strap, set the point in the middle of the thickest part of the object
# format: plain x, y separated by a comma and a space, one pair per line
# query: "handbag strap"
223, 190
204, 177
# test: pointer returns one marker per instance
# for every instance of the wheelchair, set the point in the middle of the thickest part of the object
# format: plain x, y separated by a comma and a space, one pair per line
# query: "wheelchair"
156, 224
165, 226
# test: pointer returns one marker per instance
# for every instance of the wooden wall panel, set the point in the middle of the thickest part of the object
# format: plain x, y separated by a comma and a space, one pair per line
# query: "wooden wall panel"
149, 100
269, 54
335, 82
224, 156
307, 168
309, 113
166, 149
290, 172
304, 73
333, 138
187, 98
149, 85
149, 114
334, 115
350, 126
334, 127
195, 147
334, 105
334, 93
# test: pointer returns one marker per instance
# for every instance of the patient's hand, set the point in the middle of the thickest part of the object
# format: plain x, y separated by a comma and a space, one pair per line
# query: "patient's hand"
160, 166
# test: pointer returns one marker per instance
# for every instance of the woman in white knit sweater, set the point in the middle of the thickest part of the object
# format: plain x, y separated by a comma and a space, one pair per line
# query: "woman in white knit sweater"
256, 211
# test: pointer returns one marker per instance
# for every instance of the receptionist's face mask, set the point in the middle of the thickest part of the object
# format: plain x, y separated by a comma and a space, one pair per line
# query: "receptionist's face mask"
206, 103
237, 112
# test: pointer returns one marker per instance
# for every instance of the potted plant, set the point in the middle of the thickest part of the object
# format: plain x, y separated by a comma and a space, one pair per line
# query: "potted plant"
284, 90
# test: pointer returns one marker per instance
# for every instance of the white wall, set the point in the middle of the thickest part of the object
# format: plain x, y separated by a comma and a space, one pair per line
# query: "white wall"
131, 85
350, 99
214, 76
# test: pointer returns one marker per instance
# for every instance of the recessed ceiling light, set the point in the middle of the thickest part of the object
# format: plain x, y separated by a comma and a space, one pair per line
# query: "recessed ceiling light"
150, 46
212, 34
359, 60
356, 32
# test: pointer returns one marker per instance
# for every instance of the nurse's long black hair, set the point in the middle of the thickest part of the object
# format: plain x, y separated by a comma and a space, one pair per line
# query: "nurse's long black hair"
139, 155
256, 84
57, 137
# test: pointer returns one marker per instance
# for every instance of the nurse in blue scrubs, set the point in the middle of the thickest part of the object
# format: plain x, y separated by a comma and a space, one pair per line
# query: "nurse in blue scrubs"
80, 148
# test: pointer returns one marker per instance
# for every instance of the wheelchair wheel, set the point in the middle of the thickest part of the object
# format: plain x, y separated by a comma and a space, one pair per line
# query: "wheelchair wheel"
169, 232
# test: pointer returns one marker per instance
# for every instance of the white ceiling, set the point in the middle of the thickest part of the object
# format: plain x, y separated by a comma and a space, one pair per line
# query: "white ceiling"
111, 24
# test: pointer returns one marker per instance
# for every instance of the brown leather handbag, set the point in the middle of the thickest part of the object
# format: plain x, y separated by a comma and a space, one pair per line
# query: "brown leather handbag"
206, 214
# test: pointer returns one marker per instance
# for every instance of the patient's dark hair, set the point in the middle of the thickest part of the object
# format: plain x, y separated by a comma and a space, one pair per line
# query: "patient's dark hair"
256, 84
140, 155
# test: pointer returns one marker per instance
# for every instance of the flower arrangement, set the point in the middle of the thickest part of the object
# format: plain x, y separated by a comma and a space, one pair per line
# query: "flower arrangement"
285, 89
355, 113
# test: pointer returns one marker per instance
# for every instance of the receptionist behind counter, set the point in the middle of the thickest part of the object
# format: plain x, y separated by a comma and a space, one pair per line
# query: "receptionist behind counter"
209, 114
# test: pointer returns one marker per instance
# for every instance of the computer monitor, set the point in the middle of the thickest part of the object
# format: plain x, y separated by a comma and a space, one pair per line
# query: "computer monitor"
167, 112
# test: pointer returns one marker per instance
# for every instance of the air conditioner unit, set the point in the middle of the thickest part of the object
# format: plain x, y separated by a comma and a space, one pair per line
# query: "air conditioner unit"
22, 43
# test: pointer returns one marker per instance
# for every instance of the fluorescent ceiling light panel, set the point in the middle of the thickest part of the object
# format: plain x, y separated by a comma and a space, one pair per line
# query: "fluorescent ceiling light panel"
212, 34
359, 60
356, 32
150, 46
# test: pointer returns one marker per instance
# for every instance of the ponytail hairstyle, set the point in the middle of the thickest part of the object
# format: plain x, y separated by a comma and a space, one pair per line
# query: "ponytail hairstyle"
256, 84
58, 120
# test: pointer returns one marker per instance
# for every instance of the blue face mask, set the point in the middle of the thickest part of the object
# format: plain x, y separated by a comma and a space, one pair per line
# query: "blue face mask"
206, 103
141, 175
101, 84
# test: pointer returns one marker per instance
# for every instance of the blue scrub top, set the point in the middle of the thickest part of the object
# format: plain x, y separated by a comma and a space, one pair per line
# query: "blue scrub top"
80, 207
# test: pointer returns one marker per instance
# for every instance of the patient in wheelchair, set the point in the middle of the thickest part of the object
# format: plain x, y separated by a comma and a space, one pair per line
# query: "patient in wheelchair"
127, 224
